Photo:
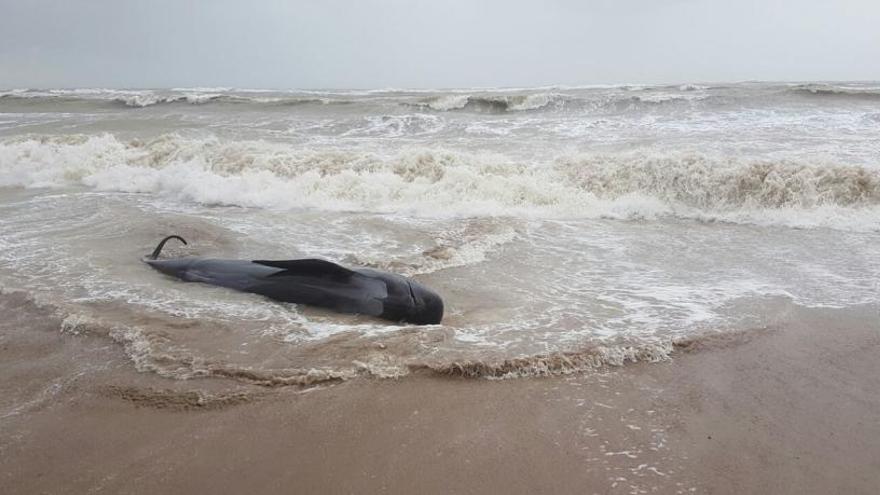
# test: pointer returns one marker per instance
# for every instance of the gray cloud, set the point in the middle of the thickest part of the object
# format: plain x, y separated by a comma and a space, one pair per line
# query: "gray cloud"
418, 43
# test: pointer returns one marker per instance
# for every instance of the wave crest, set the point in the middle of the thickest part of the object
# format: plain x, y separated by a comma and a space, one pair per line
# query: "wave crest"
830, 91
493, 103
434, 182
696, 181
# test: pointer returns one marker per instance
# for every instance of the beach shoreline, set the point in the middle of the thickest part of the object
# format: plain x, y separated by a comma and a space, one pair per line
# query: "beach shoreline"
783, 410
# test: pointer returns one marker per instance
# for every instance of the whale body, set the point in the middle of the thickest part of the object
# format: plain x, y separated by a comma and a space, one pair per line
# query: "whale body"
314, 282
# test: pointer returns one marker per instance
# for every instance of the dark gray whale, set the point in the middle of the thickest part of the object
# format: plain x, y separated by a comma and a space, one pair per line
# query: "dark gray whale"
314, 282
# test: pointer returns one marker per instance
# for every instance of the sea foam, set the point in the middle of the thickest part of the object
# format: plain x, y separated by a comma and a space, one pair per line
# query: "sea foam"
441, 183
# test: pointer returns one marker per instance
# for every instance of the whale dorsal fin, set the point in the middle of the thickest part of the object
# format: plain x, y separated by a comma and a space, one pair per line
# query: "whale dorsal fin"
308, 268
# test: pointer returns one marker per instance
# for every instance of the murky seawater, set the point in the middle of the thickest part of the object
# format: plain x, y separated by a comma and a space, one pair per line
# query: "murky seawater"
598, 222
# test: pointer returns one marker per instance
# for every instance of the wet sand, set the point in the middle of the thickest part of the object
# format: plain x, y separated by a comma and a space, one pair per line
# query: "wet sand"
789, 409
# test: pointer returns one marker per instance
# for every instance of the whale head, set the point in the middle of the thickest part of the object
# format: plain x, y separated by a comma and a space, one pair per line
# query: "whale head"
428, 305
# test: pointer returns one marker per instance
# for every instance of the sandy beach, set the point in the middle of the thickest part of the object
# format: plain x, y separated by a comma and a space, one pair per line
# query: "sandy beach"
790, 408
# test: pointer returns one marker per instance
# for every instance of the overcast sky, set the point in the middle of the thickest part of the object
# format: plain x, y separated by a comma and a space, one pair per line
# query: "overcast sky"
432, 43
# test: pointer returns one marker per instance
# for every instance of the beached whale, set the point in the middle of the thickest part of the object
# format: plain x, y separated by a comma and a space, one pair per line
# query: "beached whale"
314, 282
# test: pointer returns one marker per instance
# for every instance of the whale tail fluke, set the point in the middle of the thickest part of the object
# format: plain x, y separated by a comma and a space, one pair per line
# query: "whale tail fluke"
158, 249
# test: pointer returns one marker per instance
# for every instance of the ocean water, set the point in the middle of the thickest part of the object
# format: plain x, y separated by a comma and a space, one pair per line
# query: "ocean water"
565, 227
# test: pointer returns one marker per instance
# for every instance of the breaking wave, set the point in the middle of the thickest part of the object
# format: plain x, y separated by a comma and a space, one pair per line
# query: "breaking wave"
450, 101
488, 100
692, 87
493, 103
843, 92
147, 98
438, 183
